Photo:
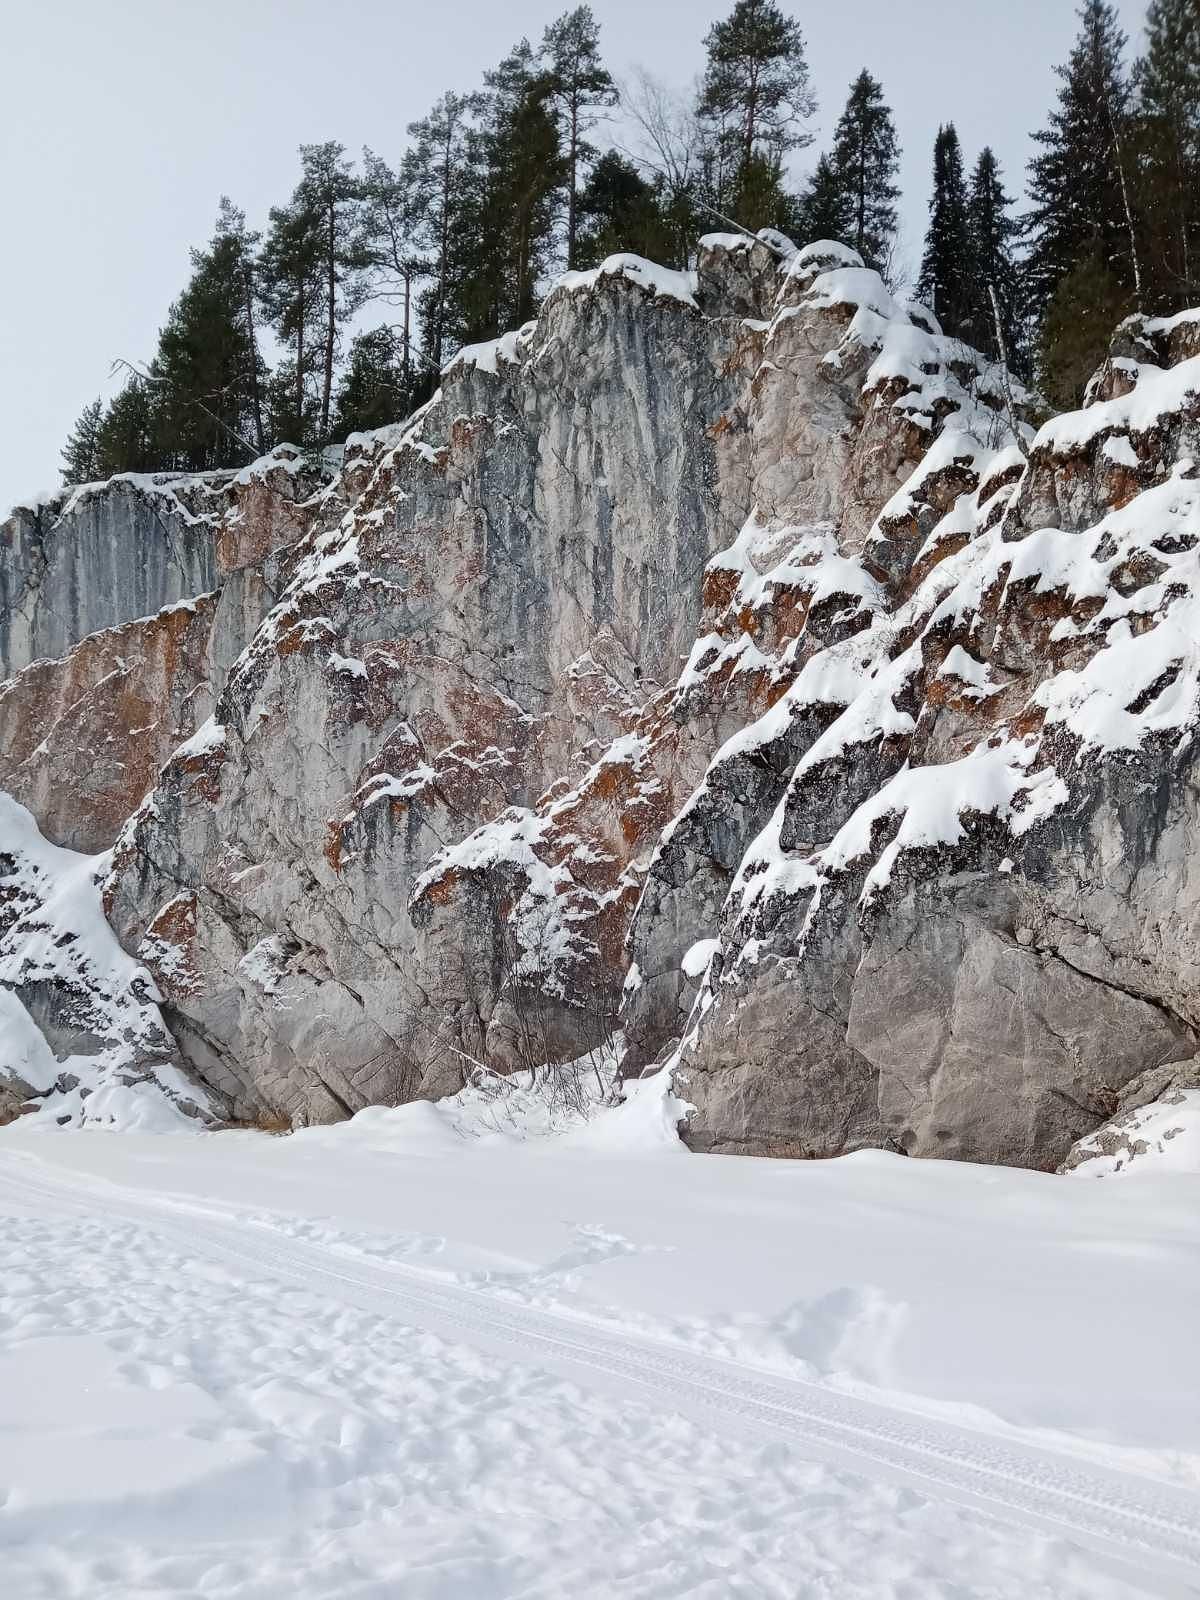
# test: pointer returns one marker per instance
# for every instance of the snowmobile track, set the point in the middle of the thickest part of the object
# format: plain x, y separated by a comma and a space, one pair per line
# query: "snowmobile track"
1136, 1517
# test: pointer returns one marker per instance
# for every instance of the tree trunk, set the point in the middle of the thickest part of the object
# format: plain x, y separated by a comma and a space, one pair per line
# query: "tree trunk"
862, 187
300, 369
255, 394
751, 123
573, 162
1129, 223
331, 323
443, 260
1002, 345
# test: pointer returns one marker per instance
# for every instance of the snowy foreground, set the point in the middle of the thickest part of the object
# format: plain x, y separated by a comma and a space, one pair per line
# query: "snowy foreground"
438, 1352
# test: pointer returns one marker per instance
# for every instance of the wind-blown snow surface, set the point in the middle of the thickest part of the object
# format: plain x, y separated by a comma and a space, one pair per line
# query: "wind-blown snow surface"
436, 1352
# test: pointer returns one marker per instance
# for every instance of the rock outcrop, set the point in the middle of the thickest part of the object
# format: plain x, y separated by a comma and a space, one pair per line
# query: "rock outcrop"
122, 607
722, 659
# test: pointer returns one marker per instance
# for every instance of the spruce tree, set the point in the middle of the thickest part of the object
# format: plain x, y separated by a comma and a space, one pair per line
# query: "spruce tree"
1077, 210
827, 207
243, 246
1167, 80
375, 388
507, 233
579, 86
206, 370
125, 441
993, 267
526, 175
81, 453
754, 98
1077, 327
945, 280
866, 158
619, 210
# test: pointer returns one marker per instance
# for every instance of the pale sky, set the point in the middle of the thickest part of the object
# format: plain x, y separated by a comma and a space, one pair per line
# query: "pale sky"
125, 120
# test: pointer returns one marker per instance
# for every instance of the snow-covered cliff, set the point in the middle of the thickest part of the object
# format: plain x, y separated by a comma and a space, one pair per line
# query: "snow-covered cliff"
708, 662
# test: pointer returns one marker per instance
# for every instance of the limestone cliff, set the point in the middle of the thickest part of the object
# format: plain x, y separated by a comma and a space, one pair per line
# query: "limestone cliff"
710, 661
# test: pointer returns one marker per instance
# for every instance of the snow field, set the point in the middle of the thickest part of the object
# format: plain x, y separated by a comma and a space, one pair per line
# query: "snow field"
469, 1350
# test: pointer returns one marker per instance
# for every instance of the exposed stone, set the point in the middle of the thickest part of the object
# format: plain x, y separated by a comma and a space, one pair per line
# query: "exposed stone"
707, 660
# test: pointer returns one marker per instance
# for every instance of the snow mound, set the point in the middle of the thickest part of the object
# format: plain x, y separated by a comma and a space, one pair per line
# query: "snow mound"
663, 282
508, 350
1153, 1139
577, 1103
82, 1040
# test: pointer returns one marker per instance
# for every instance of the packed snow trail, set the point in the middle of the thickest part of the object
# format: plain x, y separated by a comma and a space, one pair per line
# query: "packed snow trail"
1151, 1527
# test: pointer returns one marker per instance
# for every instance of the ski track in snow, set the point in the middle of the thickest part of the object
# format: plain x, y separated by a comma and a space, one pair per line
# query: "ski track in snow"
354, 1428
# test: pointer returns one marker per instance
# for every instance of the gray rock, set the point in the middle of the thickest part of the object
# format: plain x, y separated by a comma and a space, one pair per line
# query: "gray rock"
457, 802
96, 560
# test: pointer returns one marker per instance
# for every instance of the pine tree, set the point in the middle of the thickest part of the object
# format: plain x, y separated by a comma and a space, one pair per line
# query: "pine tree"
754, 97
1075, 183
1167, 80
81, 453
507, 236
579, 84
619, 210
445, 167
945, 280
331, 196
827, 207
993, 267
290, 288
391, 246
866, 158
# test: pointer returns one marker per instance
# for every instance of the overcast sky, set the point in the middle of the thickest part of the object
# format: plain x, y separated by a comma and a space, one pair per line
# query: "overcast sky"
125, 120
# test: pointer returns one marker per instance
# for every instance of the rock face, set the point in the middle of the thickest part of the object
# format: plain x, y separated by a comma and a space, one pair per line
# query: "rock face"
974, 914
133, 680
513, 578
65, 567
721, 659
122, 699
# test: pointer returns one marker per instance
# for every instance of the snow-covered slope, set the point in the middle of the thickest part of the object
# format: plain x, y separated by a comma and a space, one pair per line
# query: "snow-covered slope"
1156, 1129
81, 1037
723, 658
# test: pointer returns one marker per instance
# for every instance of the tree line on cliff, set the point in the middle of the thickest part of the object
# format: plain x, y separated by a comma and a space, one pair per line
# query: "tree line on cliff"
499, 188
